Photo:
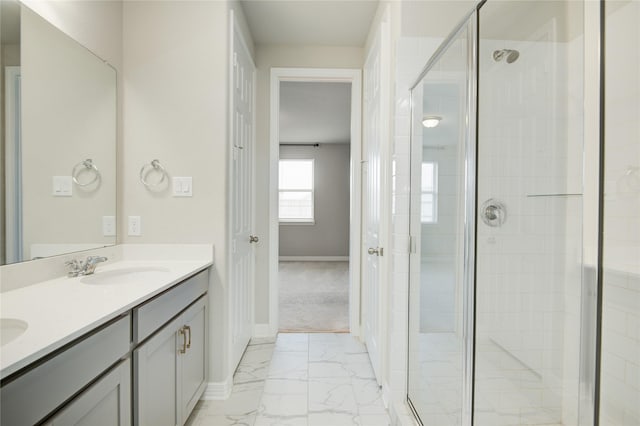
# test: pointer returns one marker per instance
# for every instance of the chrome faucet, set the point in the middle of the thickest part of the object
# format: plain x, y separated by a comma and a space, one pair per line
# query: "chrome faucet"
87, 267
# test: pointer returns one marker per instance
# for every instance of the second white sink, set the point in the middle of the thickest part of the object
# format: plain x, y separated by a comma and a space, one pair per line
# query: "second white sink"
128, 275
11, 329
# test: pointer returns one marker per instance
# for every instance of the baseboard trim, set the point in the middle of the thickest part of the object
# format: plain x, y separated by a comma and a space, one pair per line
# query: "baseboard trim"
313, 258
261, 331
217, 390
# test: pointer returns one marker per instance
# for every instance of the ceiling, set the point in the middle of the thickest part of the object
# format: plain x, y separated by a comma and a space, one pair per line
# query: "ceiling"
313, 112
310, 22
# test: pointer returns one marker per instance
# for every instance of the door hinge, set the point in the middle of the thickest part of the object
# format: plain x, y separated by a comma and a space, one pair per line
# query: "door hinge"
412, 244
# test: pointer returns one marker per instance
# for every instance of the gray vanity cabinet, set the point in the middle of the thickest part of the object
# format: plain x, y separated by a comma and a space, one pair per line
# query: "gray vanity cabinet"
170, 368
194, 361
156, 381
91, 381
39, 391
106, 403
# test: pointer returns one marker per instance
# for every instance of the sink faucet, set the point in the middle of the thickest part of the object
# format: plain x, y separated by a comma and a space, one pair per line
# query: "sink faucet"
87, 267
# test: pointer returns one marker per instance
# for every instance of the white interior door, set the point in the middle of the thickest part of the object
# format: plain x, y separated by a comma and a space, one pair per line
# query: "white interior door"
242, 198
373, 201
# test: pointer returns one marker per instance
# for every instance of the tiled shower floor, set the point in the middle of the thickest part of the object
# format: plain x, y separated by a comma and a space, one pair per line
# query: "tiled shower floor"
317, 379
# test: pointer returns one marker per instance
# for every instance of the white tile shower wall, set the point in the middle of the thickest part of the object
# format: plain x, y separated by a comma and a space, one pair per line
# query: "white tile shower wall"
620, 368
524, 266
620, 349
574, 222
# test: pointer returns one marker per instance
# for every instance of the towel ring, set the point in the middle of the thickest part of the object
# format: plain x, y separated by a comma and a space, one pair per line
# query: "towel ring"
147, 168
87, 166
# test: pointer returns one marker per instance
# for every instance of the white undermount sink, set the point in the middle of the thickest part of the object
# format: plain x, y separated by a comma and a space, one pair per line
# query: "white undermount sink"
125, 275
11, 329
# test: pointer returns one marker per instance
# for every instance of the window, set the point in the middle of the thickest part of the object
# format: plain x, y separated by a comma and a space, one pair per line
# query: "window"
296, 191
429, 212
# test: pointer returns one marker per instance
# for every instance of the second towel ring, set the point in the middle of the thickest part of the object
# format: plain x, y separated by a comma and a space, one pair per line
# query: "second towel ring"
86, 166
147, 168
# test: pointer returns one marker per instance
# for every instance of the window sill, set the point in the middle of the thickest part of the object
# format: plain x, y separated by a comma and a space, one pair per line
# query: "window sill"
295, 223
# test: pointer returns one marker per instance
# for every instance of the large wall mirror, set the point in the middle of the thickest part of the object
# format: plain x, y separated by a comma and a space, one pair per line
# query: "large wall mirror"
57, 141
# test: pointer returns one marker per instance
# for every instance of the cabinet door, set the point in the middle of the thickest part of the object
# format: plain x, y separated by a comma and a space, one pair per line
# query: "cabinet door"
156, 379
106, 403
193, 374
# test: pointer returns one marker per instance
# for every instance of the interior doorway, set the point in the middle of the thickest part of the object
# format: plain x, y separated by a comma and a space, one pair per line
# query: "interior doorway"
315, 200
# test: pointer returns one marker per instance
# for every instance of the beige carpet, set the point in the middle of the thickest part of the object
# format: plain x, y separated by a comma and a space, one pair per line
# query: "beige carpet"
313, 296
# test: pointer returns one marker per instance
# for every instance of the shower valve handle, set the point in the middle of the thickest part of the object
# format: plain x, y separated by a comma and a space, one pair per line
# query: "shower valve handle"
493, 213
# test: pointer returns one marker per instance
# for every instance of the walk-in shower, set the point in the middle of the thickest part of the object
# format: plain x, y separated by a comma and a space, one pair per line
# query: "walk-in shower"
524, 301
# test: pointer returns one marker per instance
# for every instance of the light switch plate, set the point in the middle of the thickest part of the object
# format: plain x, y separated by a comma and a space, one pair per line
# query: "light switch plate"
109, 226
62, 186
183, 186
135, 226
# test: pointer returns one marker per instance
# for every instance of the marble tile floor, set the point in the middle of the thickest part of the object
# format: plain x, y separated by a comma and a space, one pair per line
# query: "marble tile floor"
316, 379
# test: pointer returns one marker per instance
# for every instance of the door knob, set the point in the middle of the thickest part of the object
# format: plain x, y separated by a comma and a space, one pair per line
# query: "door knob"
253, 239
378, 251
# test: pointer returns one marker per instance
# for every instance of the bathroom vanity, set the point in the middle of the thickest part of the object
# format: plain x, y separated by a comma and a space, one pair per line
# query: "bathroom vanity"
126, 345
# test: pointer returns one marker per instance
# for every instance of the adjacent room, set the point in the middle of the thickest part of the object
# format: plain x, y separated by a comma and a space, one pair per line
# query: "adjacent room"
314, 193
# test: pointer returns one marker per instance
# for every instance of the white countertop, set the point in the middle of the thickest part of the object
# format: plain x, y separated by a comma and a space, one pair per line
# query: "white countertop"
62, 309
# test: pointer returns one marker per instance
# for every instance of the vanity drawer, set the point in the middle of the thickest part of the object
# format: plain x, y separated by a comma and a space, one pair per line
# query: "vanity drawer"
152, 315
33, 395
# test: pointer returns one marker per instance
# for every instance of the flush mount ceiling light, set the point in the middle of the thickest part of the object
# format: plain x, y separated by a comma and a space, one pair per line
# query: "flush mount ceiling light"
430, 121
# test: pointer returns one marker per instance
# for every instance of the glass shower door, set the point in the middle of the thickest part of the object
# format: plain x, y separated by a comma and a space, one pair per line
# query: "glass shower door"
440, 312
529, 225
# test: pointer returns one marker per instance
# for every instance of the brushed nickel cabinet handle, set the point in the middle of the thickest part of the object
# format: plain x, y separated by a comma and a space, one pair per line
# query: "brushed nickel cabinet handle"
186, 327
184, 341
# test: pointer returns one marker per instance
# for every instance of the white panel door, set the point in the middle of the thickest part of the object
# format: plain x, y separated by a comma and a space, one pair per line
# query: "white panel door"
242, 199
373, 200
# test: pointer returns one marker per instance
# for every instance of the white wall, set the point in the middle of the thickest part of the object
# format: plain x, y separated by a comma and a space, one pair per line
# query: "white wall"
268, 57
329, 234
175, 110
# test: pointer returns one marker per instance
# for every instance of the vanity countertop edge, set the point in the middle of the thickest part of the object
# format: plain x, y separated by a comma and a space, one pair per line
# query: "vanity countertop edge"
61, 310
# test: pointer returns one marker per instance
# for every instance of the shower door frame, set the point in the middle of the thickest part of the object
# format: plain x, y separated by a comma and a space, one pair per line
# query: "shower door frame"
471, 23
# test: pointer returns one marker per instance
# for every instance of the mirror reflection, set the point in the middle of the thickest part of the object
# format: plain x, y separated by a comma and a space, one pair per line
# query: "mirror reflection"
58, 138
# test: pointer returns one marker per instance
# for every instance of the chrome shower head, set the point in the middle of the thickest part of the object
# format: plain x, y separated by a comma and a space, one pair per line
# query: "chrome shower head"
510, 54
